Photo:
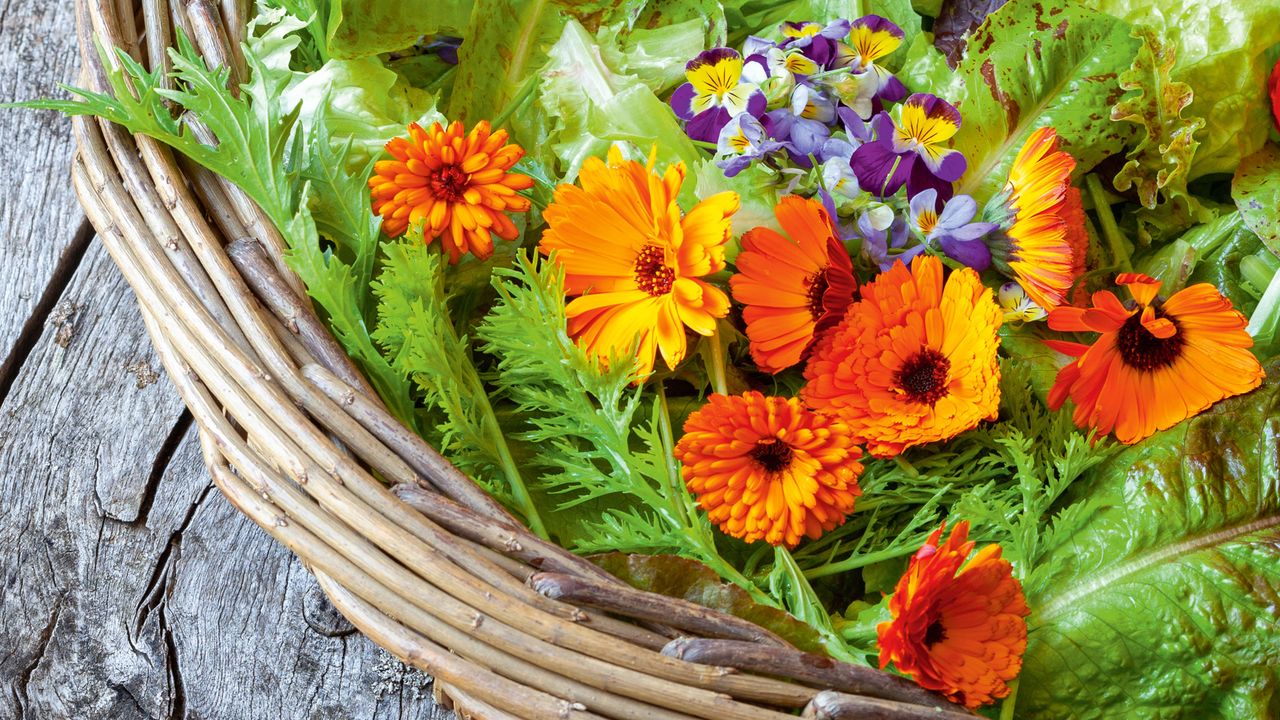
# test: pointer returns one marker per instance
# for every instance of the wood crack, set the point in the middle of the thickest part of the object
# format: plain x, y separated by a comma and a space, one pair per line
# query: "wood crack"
42, 646
160, 464
160, 583
34, 325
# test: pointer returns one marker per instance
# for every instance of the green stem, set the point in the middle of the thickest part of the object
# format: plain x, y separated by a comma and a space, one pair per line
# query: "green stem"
857, 561
1110, 230
716, 365
523, 95
1010, 702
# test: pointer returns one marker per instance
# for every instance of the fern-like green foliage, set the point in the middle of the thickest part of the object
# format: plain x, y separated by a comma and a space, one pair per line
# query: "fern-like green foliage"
417, 333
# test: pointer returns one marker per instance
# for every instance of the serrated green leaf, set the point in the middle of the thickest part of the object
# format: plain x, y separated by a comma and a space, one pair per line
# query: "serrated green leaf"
1034, 64
1159, 164
1256, 191
1163, 604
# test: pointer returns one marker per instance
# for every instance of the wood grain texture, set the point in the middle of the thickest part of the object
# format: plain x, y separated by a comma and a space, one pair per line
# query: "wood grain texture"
132, 589
41, 224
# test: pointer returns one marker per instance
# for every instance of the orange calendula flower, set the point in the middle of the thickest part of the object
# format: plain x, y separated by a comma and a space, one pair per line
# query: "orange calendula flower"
913, 361
794, 287
766, 468
960, 631
456, 184
1156, 362
1040, 246
635, 261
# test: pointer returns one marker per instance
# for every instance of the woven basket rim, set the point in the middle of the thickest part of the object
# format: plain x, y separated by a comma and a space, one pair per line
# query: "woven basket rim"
433, 569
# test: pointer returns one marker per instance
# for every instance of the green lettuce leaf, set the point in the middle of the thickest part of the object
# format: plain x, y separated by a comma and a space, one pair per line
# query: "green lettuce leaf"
1164, 603
1033, 64
1224, 52
1256, 190
1159, 163
362, 28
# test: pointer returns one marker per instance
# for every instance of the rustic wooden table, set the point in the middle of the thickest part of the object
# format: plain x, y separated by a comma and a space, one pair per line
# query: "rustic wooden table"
131, 588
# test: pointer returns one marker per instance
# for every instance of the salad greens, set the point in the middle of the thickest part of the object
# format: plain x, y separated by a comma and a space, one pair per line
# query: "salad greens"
1152, 570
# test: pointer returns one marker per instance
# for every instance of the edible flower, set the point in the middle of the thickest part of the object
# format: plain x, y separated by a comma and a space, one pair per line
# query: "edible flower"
742, 141
634, 263
913, 361
794, 286
885, 245
458, 185
957, 628
714, 94
910, 152
817, 41
951, 231
1043, 241
873, 38
766, 468
1155, 362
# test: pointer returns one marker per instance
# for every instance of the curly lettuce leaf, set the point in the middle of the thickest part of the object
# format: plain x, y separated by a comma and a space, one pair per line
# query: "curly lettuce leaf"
363, 28
1033, 64
1164, 603
1160, 162
1224, 52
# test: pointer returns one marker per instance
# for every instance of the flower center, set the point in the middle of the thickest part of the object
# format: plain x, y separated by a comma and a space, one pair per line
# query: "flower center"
772, 454
934, 634
652, 274
449, 183
923, 377
1141, 350
817, 283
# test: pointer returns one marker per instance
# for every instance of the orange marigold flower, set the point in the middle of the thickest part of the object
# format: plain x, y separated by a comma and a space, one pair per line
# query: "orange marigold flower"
913, 361
960, 631
1038, 247
1156, 362
635, 261
767, 468
795, 286
456, 184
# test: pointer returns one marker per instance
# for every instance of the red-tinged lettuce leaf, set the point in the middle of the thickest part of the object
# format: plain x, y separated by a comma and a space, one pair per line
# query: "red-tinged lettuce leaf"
1256, 190
1032, 64
691, 580
1160, 161
956, 19
360, 28
1225, 48
1166, 603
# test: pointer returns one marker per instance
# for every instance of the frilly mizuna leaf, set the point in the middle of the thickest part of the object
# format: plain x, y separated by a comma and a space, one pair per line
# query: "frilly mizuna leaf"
1161, 160
691, 580
1256, 190
1032, 64
1167, 603
1223, 52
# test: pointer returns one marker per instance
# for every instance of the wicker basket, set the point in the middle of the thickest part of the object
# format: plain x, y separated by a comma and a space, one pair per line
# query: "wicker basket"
432, 569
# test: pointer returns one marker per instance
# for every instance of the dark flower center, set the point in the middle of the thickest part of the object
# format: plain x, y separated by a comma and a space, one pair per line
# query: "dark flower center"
652, 274
449, 183
1141, 350
934, 634
817, 283
772, 454
923, 377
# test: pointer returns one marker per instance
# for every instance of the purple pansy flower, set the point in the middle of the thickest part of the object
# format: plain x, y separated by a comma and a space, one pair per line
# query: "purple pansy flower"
884, 247
873, 38
818, 42
952, 230
714, 94
742, 141
910, 152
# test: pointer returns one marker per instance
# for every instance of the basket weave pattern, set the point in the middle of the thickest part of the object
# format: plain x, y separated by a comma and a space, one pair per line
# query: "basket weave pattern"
431, 568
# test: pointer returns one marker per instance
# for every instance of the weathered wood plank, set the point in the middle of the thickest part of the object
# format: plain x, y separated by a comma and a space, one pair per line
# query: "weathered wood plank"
42, 229
131, 588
